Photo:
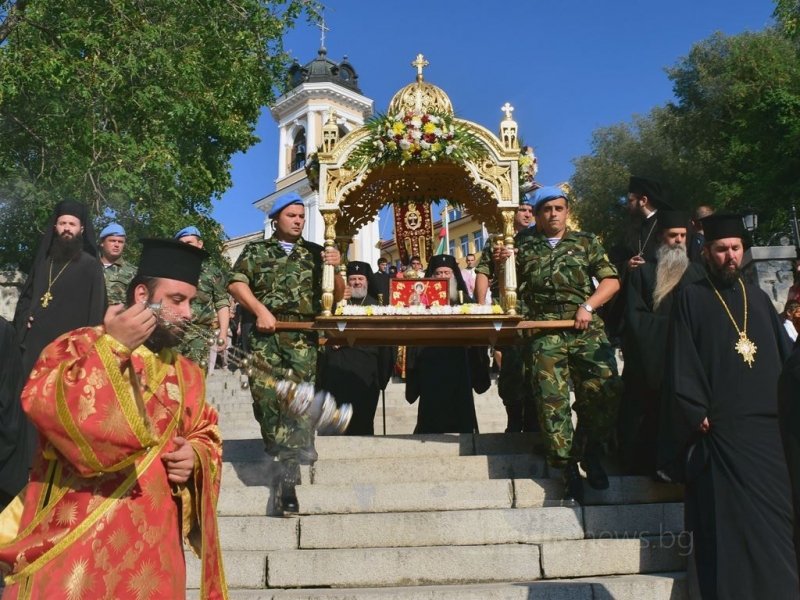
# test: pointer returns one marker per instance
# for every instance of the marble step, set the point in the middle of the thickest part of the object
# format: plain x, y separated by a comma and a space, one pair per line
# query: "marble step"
660, 586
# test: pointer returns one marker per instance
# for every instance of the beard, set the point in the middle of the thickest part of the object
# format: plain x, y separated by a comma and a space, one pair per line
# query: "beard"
672, 264
169, 332
358, 293
725, 276
452, 288
64, 249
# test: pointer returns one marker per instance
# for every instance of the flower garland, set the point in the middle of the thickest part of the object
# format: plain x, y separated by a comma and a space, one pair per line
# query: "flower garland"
528, 167
420, 138
353, 310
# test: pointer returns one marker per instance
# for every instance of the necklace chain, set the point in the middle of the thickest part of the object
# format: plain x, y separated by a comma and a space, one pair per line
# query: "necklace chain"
744, 346
47, 295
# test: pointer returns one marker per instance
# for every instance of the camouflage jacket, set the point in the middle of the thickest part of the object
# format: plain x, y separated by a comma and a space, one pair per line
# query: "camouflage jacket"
289, 286
118, 275
212, 295
554, 281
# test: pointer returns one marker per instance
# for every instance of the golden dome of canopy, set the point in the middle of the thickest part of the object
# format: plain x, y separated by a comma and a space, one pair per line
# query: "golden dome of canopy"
420, 96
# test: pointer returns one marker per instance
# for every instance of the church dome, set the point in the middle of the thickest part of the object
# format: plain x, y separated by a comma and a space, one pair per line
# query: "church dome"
422, 97
324, 70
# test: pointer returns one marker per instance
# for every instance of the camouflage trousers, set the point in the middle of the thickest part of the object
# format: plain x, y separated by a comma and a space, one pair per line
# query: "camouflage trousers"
515, 389
285, 435
586, 358
197, 350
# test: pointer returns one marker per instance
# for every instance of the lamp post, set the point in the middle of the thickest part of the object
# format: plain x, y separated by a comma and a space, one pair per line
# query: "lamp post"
750, 221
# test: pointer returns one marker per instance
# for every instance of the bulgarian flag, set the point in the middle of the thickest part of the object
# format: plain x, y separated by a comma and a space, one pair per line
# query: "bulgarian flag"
444, 240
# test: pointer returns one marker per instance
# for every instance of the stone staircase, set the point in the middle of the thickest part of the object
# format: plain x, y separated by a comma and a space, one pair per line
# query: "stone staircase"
436, 517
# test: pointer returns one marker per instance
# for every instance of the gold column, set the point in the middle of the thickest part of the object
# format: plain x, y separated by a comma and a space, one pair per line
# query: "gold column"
328, 273
510, 267
343, 244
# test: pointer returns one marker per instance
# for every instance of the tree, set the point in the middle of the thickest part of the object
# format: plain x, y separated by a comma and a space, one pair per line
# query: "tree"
132, 107
731, 138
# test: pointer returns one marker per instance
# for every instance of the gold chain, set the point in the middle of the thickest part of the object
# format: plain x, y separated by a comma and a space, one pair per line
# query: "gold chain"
745, 347
47, 295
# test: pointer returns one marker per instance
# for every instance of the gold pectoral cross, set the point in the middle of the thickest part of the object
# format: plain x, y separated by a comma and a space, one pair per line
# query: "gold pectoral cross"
747, 349
46, 299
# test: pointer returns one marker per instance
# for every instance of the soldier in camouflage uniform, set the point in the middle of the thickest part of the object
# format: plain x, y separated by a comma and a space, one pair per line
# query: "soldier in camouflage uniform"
280, 280
555, 268
117, 272
211, 309
514, 380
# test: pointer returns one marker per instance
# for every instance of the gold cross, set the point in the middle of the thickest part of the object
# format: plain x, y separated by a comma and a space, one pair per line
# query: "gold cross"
508, 109
46, 299
420, 64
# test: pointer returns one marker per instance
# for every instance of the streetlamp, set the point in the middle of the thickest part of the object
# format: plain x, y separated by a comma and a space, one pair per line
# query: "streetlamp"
750, 219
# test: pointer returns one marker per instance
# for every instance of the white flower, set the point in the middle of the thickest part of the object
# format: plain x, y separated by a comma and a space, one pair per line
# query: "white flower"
424, 145
416, 134
449, 149
404, 144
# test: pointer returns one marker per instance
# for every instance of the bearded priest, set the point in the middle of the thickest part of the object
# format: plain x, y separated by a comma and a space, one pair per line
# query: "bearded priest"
724, 355
129, 456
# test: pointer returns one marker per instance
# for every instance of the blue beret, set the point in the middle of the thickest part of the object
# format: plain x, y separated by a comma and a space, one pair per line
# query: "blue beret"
545, 194
191, 230
283, 202
112, 229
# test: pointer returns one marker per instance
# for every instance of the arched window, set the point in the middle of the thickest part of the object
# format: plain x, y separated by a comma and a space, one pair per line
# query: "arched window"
299, 150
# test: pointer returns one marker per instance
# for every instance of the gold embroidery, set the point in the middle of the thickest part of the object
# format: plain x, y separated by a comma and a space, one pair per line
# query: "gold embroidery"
122, 388
156, 492
119, 540
65, 416
113, 422
67, 513
86, 405
78, 582
145, 583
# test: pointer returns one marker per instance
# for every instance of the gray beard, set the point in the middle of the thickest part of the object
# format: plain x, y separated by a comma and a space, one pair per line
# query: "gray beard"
672, 264
358, 293
452, 288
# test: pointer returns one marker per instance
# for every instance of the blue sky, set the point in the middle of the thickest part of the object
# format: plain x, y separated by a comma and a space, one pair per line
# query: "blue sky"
568, 67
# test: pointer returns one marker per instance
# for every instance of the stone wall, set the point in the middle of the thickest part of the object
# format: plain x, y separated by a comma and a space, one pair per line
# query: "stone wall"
771, 268
10, 285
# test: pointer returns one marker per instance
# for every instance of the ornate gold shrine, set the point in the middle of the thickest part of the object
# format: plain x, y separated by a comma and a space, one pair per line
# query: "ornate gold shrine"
350, 198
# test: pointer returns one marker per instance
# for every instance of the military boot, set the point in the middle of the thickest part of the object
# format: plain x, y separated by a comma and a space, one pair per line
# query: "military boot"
573, 484
287, 495
595, 474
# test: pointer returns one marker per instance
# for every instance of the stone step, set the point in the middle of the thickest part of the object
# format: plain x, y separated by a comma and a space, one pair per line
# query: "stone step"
406, 446
661, 586
255, 498
448, 565
445, 468
448, 527
443, 528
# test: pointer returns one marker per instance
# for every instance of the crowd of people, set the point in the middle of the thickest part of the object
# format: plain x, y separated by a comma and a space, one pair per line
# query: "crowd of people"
104, 416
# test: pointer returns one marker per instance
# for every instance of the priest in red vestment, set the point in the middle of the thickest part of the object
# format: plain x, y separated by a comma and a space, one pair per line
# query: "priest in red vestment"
129, 458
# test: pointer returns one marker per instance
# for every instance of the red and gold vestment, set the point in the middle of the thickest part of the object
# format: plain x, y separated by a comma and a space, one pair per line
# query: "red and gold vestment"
100, 519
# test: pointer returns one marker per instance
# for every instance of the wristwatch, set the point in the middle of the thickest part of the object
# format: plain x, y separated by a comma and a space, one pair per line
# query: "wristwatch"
587, 307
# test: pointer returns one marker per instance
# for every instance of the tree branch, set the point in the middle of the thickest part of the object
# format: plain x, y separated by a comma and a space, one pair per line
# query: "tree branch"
15, 14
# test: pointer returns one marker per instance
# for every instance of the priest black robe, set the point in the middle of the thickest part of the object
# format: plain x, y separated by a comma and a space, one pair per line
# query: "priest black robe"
738, 497
13, 475
643, 347
442, 378
78, 300
789, 416
356, 375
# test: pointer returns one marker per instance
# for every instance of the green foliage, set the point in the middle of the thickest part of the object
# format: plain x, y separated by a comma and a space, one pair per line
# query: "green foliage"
787, 14
131, 107
730, 140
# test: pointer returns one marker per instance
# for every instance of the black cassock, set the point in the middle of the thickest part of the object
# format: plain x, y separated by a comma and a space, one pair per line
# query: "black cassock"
443, 378
643, 346
356, 375
738, 497
78, 300
13, 474
789, 415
